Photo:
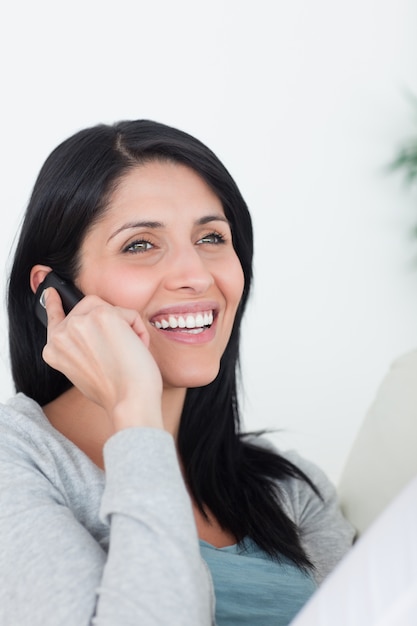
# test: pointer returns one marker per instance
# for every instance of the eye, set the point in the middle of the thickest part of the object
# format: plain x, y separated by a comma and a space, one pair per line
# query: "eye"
137, 246
212, 238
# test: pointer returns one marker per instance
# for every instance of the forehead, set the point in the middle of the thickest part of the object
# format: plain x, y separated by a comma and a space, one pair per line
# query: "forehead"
162, 186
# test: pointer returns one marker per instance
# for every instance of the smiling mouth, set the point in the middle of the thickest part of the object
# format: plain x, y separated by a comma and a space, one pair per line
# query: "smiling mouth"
192, 324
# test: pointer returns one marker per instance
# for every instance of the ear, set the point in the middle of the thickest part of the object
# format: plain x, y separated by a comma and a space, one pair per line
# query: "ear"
38, 274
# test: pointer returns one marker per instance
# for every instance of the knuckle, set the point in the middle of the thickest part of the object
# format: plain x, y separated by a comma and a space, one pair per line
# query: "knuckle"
48, 354
100, 316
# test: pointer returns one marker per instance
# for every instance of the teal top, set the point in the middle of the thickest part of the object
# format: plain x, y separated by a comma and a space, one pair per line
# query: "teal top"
253, 589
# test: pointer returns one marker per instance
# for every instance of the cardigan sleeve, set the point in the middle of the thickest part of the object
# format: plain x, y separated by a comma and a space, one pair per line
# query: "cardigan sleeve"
53, 571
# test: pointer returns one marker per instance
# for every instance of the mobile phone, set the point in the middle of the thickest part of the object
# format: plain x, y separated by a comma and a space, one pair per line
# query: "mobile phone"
69, 294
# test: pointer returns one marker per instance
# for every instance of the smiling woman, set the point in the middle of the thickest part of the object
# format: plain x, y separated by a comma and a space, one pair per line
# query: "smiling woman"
165, 248
121, 457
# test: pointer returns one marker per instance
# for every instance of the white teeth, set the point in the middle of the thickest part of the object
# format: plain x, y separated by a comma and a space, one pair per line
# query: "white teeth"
173, 323
191, 322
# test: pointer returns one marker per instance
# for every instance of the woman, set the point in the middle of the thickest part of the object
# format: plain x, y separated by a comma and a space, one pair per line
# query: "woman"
121, 456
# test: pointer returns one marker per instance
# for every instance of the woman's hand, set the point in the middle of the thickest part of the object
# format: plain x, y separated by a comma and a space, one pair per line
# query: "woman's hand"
103, 350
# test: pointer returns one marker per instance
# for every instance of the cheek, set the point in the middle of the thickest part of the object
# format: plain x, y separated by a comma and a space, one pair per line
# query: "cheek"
122, 288
232, 283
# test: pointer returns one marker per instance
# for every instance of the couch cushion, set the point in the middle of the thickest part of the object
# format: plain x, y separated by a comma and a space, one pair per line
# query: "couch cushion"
383, 458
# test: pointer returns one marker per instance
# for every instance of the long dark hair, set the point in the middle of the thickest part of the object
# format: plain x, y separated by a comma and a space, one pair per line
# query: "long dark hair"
231, 476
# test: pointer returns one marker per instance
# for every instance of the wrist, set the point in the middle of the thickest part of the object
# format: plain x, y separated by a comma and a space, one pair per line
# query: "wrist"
137, 413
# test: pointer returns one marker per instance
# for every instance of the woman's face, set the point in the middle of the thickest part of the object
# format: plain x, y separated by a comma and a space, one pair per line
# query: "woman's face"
164, 248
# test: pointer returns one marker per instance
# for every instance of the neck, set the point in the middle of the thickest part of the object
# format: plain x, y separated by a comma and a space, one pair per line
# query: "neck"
172, 404
88, 426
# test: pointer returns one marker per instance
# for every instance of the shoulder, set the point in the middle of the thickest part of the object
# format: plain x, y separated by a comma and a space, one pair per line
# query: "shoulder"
19, 407
34, 453
40, 469
23, 425
296, 491
301, 492
25, 430
325, 534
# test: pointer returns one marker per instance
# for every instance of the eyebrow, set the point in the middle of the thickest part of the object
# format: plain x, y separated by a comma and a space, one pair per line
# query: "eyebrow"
217, 217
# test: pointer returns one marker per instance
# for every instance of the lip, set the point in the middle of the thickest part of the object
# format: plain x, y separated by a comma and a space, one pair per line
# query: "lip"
181, 335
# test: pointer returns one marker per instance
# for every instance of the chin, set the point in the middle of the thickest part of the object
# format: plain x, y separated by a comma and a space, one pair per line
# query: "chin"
191, 378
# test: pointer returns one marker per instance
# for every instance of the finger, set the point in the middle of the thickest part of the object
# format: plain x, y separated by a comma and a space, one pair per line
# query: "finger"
140, 329
53, 306
135, 321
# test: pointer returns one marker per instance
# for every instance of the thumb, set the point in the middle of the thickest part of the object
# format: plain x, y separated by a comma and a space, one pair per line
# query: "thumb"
51, 300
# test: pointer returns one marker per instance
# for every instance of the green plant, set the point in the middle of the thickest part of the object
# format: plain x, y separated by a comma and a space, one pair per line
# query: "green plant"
406, 159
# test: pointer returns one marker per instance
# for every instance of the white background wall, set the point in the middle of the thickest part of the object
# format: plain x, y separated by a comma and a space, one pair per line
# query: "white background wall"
305, 102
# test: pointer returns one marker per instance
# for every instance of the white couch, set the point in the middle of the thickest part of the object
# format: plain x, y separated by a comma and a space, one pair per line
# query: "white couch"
383, 458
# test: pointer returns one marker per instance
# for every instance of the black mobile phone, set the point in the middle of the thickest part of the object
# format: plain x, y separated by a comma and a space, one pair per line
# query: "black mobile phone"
70, 295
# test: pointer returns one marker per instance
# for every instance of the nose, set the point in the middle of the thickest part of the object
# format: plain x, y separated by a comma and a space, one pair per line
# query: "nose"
188, 271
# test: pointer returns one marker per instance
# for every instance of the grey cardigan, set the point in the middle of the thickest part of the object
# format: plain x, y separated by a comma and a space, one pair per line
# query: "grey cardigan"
79, 546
